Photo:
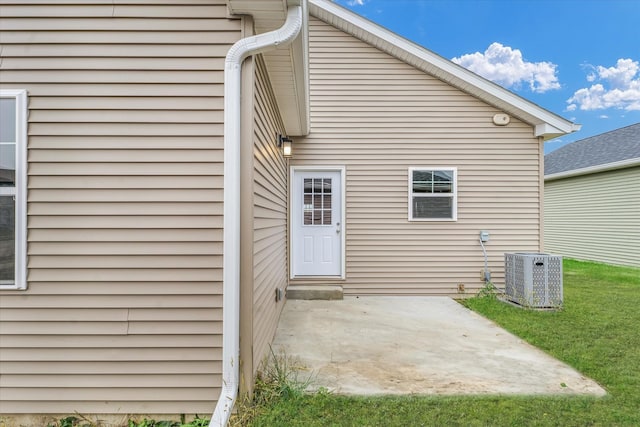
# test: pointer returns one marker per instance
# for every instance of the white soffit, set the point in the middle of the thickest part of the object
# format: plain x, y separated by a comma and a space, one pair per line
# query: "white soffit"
546, 124
287, 66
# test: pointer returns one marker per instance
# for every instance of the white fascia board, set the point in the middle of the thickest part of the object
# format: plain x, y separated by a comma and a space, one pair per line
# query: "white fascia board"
252, 7
594, 169
301, 125
292, 94
298, 123
548, 131
442, 68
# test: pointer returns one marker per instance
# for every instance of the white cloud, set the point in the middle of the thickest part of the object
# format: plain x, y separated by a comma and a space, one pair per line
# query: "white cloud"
603, 116
356, 2
506, 66
617, 87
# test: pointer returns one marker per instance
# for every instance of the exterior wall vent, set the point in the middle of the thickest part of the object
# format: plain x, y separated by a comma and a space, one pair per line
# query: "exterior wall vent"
533, 279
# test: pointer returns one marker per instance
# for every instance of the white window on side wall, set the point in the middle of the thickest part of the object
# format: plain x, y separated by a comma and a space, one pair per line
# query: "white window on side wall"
433, 194
13, 189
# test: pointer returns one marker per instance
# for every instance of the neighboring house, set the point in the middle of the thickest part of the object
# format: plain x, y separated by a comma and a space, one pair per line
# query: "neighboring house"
145, 191
592, 198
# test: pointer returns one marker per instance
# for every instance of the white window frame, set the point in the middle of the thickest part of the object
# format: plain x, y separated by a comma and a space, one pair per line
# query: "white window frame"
453, 195
19, 191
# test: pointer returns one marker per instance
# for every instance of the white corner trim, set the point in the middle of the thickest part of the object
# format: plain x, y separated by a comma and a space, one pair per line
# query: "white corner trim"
231, 234
594, 169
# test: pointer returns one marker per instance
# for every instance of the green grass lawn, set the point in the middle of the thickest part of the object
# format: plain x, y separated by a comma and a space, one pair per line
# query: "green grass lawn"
597, 332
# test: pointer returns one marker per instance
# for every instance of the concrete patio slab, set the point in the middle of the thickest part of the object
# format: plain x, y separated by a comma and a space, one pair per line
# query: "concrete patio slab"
416, 345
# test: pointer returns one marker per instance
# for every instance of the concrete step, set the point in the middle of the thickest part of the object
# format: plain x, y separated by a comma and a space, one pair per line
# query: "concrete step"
319, 292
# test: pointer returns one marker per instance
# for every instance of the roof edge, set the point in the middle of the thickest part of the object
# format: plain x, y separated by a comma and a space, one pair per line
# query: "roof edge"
548, 131
547, 124
300, 57
296, 118
622, 164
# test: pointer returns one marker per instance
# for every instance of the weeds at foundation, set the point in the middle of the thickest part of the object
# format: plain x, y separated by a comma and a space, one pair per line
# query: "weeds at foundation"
80, 420
197, 422
279, 378
489, 290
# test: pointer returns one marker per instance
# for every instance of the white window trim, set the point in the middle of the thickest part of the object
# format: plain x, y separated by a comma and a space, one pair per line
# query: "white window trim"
20, 281
454, 195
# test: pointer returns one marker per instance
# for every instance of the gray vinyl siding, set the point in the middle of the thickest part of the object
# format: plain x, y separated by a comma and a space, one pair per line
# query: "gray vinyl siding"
123, 311
269, 216
378, 116
595, 217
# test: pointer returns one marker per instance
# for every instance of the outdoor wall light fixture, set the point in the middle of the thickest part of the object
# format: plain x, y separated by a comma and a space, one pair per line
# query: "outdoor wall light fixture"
284, 142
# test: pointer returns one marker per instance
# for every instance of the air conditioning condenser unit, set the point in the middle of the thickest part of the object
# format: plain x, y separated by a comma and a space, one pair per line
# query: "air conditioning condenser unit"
533, 279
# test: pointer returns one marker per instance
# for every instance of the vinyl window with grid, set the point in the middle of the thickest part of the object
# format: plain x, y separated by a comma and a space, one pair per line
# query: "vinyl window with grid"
433, 194
13, 189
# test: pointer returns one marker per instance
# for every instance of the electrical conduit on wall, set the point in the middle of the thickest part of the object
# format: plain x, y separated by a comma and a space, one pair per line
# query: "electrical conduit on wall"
231, 247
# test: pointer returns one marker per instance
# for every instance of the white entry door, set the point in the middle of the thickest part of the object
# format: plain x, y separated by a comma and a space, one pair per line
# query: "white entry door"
316, 223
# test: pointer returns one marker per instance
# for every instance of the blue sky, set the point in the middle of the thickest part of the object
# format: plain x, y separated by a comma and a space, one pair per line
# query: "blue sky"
577, 58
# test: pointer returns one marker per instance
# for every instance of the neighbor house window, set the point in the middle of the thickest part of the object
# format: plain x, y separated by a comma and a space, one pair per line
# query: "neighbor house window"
13, 189
433, 194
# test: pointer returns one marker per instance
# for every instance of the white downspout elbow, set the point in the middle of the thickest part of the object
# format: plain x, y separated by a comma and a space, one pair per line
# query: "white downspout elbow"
231, 235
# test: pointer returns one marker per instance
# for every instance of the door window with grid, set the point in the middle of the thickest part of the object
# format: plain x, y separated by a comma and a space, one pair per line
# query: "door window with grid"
317, 201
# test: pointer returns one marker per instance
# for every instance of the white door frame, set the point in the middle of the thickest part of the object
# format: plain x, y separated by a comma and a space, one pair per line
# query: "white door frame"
343, 206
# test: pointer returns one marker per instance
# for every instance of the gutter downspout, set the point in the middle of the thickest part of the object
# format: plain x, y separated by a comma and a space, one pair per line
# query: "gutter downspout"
231, 247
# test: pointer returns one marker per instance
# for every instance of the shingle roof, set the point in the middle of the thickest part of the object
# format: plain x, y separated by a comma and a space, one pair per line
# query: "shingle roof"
610, 147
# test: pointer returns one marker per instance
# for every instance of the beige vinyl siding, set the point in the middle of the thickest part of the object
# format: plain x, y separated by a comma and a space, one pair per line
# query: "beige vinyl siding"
270, 216
378, 116
595, 217
123, 311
